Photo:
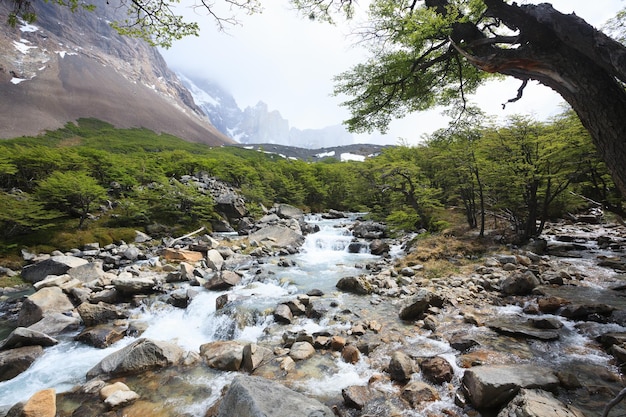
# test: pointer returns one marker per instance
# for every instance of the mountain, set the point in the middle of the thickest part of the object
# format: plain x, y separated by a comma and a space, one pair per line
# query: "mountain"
74, 65
257, 124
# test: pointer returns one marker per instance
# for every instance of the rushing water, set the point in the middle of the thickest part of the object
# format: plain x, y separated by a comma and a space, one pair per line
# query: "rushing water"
322, 261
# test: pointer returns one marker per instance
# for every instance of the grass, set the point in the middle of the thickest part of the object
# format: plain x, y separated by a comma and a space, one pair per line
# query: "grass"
11, 281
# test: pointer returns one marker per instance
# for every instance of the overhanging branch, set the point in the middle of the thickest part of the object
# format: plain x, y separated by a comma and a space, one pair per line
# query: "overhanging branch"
520, 93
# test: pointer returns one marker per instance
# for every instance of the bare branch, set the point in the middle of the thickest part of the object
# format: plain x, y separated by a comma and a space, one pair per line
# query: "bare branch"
520, 92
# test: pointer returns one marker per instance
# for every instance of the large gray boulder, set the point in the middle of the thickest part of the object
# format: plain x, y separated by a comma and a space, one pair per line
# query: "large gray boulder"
56, 323
222, 280
15, 361
46, 301
537, 403
26, 337
224, 355
495, 385
286, 211
55, 265
519, 283
87, 272
250, 396
417, 305
277, 237
139, 356
130, 286
93, 314
355, 285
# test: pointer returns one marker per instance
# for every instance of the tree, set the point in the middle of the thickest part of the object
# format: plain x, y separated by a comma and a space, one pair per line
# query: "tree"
74, 193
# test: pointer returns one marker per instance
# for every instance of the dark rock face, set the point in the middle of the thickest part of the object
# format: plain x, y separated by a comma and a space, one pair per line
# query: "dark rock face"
417, 305
259, 397
15, 361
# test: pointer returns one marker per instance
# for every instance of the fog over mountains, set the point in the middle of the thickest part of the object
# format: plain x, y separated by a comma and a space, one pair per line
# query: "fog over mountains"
257, 124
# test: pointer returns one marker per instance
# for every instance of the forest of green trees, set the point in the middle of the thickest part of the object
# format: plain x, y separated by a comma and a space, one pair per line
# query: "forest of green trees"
512, 176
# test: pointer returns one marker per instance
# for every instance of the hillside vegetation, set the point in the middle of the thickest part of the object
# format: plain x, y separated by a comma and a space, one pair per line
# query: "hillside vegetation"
91, 182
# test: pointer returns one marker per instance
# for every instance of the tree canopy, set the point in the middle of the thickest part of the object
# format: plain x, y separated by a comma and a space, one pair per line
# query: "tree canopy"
436, 52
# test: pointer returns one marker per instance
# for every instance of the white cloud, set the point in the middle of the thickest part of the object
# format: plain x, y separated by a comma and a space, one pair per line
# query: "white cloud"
289, 63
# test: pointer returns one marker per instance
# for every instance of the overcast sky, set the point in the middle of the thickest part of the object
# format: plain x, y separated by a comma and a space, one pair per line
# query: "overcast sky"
289, 63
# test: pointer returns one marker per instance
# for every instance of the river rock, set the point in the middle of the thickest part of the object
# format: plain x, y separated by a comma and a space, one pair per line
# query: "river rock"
357, 396
222, 280
286, 211
131, 286
277, 237
537, 403
350, 354
139, 356
437, 370
369, 230
226, 355
520, 327
301, 351
492, 386
254, 356
519, 283
415, 307
400, 367
93, 314
53, 281
15, 361
117, 395
379, 247
214, 260
250, 396
42, 404
26, 337
44, 302
55, 265
355, 285
54, 324
585, 311
87, 272
418, 392
101, 336
283, 314
183, 255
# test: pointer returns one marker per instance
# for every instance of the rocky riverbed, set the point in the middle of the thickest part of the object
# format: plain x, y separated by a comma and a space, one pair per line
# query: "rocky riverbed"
535, 331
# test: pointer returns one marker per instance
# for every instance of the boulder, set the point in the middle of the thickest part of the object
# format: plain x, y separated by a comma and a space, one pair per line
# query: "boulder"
355, 285
492, 386
184, 255
283, 314
250, 396
214, 260
379, 247
400, 367
93, 314
117, 395
222, 280
418, 392
88, 272
277, 236
55, 265
520, 327
102, 336
437, 370
130, 286
56, 323
286, 211
26, 337
369, 230
53, 281
46, 301
419, 303
139, 356
254, 356
519, 283
41, 404
357, 396
350, 354
537, 403
224, 355
301, 351
15, 361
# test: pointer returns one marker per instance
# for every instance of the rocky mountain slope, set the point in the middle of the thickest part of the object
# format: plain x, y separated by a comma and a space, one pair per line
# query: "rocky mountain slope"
72, 65
257, 124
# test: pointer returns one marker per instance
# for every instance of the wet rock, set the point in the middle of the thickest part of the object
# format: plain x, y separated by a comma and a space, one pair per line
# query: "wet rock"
317, 309
93, 314
41, 404
131, 286
222, 280
15, 361
254, 356
282, 314
357, 396
551, 304
492, 386
337, 342
416, 306
537, 403
520, 327
379, 247
549, 323
437, 370
250, 396
358, 247
179, 298
55, 265
462, 342
301, 351
139, 356
355, 285
223, 355
519, 283
418, 392
44, 302
102, 336
117, 395
350, 354
586, 311
369, 230
400, 367
26, 337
